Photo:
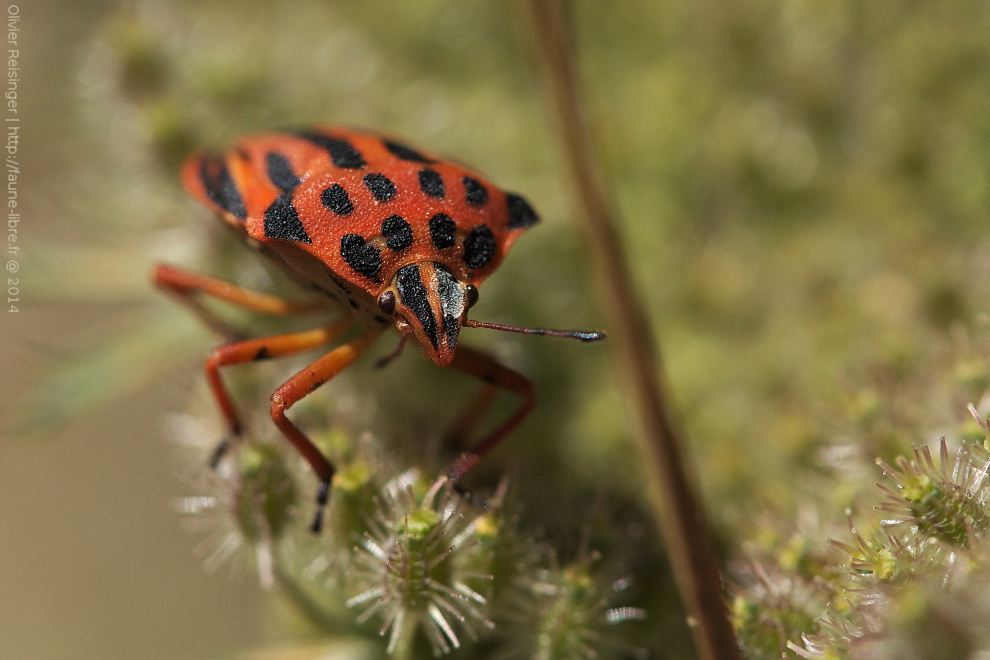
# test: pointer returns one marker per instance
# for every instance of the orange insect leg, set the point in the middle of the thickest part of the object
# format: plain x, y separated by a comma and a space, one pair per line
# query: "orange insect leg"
184, 286
262, 348
471, 415
298, 387
494, 374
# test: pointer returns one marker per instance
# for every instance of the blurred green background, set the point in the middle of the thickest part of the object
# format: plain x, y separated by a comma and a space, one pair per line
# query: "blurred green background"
93, 562
805, 192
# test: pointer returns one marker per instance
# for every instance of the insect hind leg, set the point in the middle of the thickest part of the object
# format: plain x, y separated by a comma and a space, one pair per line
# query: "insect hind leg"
494, 374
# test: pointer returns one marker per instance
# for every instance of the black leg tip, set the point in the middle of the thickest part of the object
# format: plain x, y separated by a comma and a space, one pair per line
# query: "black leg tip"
323, 493
317, 525
472, 499
218, 453
322, 497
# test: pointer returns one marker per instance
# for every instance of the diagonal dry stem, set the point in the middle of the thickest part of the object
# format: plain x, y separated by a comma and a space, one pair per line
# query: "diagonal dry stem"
677, 509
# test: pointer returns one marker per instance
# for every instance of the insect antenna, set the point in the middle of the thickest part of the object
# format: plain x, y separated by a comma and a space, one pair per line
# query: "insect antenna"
383, 362
582, 335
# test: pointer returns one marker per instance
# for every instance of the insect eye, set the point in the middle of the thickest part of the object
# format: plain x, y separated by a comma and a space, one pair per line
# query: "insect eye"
472, 294
386, 302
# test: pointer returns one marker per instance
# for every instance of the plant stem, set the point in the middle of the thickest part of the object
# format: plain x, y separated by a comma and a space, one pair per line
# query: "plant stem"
678, 511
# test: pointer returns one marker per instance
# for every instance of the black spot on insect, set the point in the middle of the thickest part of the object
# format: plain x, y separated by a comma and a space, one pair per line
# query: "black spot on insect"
342, 153
220, 187
521, 214
380, 186
452, 328
414, 295
431, 183
382, 319
359, 255
282, 221
479, 247
406, 153
442, 230
280, 172
335, 198
397, 232
475, 192
353, 303
262, 354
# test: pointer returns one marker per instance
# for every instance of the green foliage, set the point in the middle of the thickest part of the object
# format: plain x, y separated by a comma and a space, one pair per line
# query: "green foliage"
402, 557
900, 588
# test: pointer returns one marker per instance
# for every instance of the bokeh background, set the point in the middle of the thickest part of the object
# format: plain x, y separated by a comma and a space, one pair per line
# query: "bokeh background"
804, 187
92, 562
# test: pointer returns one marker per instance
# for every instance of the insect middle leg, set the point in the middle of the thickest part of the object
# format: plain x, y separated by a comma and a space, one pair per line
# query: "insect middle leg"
303, 383
494, 374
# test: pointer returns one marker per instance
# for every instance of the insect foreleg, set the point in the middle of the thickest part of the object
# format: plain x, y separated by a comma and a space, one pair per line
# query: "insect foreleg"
298, 387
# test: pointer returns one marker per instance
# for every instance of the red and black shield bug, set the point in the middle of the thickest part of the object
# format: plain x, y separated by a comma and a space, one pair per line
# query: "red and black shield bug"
394, 235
